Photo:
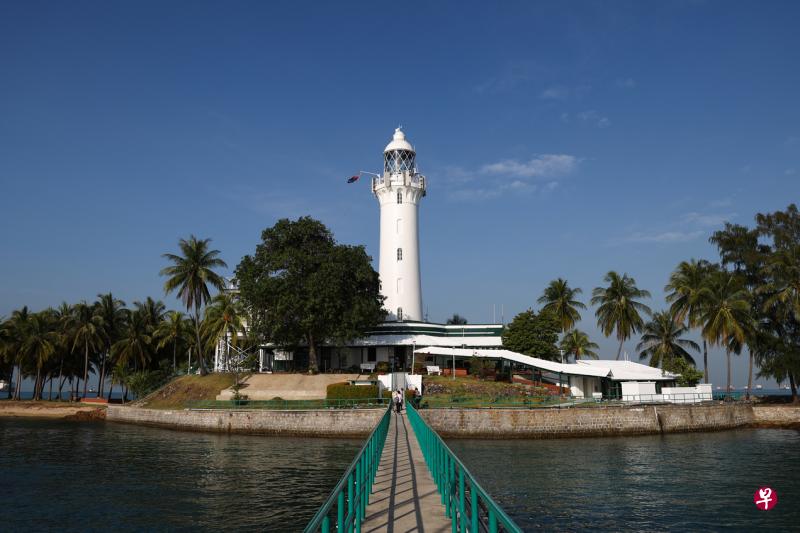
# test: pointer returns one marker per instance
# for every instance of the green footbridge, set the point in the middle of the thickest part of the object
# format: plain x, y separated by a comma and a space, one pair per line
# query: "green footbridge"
405, 478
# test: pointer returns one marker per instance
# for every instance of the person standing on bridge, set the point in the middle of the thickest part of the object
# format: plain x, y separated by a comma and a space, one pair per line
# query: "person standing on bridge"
398, 401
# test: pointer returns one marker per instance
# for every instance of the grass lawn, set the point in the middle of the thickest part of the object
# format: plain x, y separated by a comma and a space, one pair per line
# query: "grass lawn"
178, 392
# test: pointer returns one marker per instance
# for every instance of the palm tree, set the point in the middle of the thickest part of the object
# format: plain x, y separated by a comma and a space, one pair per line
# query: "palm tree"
115, 316
687, 291
619, 310
224, 320
18, 324
191, 274
152, 311
171, 330
135, 342
88, 333
662, 340
577, 344
560, 299
38, 344
725, 318
456, 320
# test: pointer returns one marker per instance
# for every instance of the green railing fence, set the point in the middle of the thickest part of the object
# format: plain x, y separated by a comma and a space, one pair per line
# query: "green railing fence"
367, 403
466, 503
348, 501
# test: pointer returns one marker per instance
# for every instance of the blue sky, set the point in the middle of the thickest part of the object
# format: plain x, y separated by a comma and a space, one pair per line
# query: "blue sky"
559, 140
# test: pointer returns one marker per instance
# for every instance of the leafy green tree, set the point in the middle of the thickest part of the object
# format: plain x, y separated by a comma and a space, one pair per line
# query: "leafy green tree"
171, 331
688, 375
456, 320
687, 291
726, 318
662, 340
302, 287
577, 344
87, 333
152, 311
190, 275
778, 298
533, 334
618, 307
561, 300
740, 249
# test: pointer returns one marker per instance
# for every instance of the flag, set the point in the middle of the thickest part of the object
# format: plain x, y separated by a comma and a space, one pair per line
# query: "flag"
352, 179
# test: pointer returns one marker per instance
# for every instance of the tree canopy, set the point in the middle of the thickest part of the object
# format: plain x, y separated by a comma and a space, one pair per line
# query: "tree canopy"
300, 286
533, 334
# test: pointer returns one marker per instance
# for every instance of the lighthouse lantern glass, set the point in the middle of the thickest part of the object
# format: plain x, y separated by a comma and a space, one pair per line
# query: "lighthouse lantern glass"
398, 161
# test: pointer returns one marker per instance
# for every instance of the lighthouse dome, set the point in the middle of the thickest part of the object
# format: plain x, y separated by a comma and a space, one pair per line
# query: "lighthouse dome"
399, 156
398, 142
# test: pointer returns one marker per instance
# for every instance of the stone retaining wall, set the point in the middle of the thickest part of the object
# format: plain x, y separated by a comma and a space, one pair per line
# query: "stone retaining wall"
322, 423
585, 422
777, 415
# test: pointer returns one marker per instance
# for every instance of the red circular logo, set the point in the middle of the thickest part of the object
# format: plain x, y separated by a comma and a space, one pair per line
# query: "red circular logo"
765, 498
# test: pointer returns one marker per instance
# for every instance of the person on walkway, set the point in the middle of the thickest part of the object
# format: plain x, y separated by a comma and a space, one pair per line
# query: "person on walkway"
398, 401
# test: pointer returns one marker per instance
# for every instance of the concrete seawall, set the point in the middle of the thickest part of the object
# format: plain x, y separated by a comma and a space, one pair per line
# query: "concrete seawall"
777, 416
588, 422
473, 423
357, 423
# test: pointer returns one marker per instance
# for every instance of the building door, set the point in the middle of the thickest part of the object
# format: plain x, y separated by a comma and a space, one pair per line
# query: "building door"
399, 358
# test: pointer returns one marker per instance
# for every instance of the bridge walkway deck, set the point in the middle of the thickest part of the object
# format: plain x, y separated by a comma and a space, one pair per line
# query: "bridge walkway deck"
404, 497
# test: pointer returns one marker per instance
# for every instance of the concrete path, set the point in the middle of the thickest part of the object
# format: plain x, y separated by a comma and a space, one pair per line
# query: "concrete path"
404, 496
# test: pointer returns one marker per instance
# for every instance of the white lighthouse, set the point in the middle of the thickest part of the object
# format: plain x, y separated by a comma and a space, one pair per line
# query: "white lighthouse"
399, 191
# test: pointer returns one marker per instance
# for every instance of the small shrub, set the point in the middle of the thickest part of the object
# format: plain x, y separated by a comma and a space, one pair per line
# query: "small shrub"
382, 367
345, 391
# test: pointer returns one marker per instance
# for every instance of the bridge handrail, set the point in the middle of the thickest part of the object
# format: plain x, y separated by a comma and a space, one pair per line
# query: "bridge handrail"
351, 494
456, 484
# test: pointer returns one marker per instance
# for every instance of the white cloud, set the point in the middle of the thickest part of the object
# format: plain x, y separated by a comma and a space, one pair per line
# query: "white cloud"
592, 116
663, 237
555, 92
542, 166
789, 171
626, 83
722, 202
706, 220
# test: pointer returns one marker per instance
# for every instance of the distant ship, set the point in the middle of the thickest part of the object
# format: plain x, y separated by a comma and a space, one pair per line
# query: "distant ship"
759, 387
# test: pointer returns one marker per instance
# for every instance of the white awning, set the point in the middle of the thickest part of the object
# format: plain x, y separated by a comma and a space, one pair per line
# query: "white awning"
615, 370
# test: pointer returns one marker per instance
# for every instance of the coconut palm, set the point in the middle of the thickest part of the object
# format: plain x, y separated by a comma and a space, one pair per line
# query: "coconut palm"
783, 290
38, 344
115, 316
135, 342
17, 326
190, 275
618, 308
662, 340
560, 300
687, 292
577, 344
725, 318
224, 320
171, 330
152, 311
87, 333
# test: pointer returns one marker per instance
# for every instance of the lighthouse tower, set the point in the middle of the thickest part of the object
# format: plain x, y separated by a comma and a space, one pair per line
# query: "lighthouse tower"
399, 191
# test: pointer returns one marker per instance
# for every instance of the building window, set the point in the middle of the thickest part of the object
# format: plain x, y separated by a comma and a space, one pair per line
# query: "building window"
399, 254
399, 285
399, 226
399, 313
372, 354
399, 196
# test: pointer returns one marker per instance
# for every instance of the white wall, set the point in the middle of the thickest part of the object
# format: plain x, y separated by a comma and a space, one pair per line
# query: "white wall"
634, 391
